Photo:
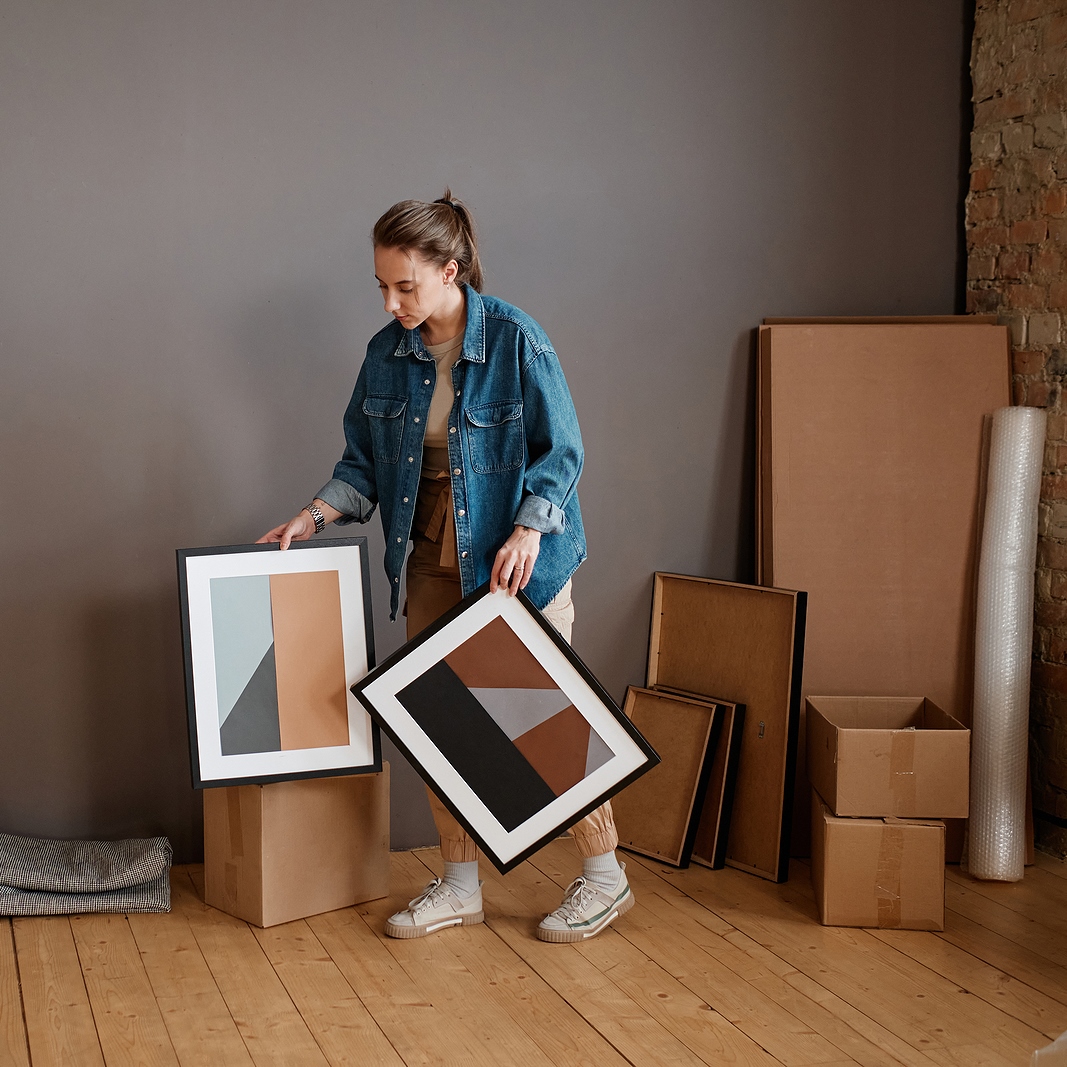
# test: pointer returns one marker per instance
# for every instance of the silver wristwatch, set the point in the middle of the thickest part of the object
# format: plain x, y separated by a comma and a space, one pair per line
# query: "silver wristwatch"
320, 519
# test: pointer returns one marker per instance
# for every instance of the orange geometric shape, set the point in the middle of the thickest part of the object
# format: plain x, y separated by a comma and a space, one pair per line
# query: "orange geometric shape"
309, 660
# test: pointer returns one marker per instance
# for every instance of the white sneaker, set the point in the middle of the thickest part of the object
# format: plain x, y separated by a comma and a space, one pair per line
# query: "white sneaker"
586, 910
436, 908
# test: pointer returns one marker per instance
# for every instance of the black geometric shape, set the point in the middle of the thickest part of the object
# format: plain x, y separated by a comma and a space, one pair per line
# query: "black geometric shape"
481, 753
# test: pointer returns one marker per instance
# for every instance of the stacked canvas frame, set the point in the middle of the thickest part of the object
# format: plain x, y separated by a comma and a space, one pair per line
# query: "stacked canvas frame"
680, 811
714, 640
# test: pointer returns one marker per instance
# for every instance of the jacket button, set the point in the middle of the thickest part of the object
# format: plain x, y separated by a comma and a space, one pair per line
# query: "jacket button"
396, 579
399, 541
461, 513
463, 554
457, 471
416, 418
451, 429
427, 382
411, 459
405, 500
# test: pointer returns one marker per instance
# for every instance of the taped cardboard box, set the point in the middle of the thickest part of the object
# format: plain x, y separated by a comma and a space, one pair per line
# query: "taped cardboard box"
278, 852
885, 873
882, 756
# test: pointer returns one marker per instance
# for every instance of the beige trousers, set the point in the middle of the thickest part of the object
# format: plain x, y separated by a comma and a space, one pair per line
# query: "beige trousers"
432, 590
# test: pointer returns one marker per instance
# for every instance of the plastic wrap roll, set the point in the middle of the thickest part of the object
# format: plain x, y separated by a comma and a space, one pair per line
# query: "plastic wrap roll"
1003, 639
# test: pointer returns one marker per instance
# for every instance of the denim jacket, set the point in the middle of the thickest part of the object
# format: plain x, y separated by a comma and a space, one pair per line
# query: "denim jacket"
513, 445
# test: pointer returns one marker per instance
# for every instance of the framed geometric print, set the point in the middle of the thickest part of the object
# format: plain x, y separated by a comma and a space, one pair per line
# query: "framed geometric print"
505, 723
273, 641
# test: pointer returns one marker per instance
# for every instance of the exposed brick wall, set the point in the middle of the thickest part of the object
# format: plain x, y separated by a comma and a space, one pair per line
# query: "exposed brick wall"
1017, 253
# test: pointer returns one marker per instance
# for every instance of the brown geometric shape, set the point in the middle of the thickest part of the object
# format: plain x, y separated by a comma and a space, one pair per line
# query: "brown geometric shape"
310, 660
558, 748
495, 658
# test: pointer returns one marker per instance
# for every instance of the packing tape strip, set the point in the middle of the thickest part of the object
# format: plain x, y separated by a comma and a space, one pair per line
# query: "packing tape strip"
902, 771
887, 887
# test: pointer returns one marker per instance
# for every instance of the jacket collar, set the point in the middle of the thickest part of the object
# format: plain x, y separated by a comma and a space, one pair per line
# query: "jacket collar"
473, 338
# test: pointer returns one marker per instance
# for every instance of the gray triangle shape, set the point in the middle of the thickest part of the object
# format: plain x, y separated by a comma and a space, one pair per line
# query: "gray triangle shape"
599, 753
517, 710
253, 724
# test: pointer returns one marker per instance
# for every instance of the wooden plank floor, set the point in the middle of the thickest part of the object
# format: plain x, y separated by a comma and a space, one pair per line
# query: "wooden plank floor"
711, 967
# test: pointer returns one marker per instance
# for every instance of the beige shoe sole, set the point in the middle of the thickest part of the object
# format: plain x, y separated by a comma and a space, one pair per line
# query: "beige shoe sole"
559, 937
397, 930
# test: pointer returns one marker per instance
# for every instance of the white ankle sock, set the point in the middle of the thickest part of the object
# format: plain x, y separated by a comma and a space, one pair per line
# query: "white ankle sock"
462, 878
602, 871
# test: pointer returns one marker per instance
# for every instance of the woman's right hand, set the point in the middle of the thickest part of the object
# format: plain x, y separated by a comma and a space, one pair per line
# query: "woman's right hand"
299, 528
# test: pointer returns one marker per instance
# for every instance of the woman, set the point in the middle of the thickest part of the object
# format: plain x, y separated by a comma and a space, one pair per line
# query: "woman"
462, 430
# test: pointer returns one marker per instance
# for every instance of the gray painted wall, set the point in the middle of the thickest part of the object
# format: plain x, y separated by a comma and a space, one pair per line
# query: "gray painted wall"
186, 288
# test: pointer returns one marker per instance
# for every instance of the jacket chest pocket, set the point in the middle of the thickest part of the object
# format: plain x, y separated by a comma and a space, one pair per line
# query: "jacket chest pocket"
495, 437
385, 416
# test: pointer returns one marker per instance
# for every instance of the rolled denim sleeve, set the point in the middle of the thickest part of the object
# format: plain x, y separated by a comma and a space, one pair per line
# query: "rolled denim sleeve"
353, 489
540, 514
348, 500
553, 443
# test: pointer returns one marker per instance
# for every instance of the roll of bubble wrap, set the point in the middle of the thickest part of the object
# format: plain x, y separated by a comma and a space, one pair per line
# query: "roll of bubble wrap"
1003, 639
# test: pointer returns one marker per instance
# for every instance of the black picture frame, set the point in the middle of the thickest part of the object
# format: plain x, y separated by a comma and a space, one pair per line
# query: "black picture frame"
487, 810
210, 765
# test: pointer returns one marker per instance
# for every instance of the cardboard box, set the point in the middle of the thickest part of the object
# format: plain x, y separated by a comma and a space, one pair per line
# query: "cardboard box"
887, 873
278, 852
880, 756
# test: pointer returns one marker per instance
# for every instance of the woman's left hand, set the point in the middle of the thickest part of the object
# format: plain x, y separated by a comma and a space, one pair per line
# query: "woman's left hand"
514, 562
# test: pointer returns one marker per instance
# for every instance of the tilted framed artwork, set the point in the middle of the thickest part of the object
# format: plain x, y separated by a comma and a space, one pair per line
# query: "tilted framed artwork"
273, 640
505, 723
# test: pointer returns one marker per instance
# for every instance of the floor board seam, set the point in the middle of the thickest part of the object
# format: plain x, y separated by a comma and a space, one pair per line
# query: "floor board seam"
18, 984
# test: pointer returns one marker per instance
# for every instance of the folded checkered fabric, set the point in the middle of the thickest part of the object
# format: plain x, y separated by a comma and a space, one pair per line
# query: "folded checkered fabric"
42, 877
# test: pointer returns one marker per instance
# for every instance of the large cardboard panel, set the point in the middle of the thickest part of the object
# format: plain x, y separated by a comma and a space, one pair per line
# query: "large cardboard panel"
871, 448
832, 320
278, 852
742, 643
870, 438
658, 815
886, 873
881, 320
879, 756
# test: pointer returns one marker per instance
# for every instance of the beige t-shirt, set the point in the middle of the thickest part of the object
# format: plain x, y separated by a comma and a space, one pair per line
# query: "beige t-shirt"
445, 356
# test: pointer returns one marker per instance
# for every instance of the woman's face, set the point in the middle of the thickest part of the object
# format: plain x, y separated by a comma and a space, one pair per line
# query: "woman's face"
412, 287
